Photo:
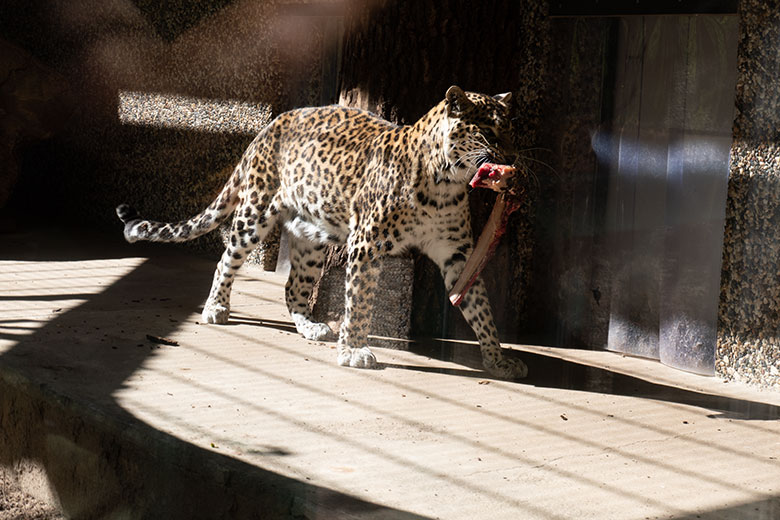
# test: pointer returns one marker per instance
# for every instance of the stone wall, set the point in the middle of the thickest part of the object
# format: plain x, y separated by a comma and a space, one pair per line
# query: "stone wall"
749, 312
161, 99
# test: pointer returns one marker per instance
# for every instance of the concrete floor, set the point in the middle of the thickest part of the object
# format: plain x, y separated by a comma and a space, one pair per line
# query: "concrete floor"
249, 420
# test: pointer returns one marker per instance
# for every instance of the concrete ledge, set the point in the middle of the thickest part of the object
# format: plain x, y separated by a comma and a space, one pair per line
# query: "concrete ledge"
92, 465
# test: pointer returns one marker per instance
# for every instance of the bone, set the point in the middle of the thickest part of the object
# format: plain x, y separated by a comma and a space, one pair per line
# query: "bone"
493, 177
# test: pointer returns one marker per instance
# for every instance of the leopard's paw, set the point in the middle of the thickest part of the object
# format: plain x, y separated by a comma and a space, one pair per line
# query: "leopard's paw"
312, 330
215, 313
357, 357
509, 369
318, 332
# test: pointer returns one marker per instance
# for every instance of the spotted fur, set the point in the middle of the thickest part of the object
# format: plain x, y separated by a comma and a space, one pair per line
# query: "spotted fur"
335, 175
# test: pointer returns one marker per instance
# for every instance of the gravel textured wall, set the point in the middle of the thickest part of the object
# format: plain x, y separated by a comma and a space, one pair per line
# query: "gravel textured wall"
749, 312
162, 98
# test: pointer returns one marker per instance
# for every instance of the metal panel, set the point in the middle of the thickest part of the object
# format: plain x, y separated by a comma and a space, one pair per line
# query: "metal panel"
673, 115
637, 200
697, 181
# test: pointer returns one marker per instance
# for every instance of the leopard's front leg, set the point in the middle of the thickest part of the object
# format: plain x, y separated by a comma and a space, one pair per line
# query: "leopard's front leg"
450, 255
360, 287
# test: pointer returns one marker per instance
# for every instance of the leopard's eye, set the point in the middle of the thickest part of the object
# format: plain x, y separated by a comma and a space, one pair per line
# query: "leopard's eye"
490, 134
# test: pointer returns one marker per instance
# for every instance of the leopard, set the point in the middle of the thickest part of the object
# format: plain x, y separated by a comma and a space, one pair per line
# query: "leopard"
336, 175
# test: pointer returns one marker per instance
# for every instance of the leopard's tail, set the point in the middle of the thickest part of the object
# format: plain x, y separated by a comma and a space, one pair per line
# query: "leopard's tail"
136, 228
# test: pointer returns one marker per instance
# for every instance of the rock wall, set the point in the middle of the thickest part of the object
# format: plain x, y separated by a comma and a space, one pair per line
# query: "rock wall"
749, 311
163, 99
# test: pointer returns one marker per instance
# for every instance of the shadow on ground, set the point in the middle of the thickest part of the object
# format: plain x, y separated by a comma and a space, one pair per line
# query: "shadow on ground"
552, 372
58, 416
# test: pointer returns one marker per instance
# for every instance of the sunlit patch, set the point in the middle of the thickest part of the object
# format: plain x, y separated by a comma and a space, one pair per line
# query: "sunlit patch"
37, 293
204, 115
654, 155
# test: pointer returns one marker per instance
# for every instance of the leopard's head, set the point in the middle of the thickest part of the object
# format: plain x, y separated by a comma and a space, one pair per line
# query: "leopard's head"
478, 130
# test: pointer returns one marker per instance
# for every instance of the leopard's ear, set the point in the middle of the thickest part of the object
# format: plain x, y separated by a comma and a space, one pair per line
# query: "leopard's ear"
504, 98
458, 104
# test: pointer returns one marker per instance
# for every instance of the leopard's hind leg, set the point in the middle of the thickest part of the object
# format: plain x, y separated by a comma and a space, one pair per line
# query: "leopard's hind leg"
306, 259
252, 221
